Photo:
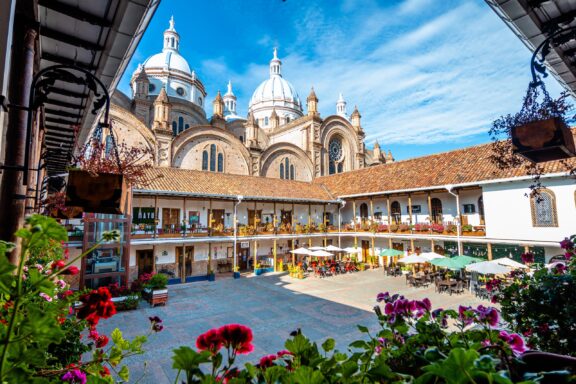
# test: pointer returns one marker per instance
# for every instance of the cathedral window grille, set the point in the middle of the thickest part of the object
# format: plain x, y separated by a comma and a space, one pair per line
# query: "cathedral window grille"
335, 156
220, 163
180, 124
544, 212
205, 160
287, 170
174, 128
213, 157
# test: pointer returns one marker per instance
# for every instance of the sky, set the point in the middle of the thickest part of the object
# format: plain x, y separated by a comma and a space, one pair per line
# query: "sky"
427, 76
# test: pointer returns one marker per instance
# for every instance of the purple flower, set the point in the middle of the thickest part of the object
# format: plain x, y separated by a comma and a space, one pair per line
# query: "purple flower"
383, 296
527, 258
75, 376
466, 314
389, 308
566, 244
488, 315
559, 269
514, 341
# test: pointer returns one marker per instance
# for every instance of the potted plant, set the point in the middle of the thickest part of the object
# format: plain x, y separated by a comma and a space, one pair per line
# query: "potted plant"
157, 289
437, 228
382, 228
236, 272
211, 274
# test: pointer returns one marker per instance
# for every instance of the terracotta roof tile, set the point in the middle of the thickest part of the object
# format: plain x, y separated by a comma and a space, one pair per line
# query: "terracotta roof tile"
202, 183
467, 165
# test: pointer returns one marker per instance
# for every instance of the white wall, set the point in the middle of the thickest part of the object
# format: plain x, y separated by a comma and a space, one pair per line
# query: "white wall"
508, 212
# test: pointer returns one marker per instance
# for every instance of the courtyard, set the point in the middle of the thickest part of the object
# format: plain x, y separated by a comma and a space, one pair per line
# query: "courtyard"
272, 306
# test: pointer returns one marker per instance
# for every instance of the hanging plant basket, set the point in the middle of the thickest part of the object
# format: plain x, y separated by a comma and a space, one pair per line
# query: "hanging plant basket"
543, 140
66, 213
103, 193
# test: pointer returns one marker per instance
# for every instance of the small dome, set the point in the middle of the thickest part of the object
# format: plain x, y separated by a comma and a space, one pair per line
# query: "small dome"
168, 60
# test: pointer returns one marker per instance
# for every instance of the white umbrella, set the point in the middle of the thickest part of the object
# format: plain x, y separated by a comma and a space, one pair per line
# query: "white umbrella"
510, 263
301, 251
321, 253
431, 255
352, 250
413, 259
316, 248
333, 248
488, 268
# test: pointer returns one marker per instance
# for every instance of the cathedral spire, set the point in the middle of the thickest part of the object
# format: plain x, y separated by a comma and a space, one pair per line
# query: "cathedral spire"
275, 64
312, 103
229, 101
171, 37
341, 106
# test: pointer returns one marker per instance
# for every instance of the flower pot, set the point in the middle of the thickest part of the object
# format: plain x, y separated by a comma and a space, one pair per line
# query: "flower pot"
543, 140
159, 296
236, 275
104, 193
211, 277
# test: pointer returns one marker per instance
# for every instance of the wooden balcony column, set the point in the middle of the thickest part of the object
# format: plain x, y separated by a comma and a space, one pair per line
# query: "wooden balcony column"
274, 254
489, 249
210, 217
430, 208
389, 214
274, 221
410, 209
184, 217
309, 222
371, 223
209, 267
156, 216
292, 229
255, 257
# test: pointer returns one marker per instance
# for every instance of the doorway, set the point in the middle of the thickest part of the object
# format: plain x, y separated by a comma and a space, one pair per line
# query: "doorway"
365, 250
217, 220
243, 254
436, 210
145, 261
184, 259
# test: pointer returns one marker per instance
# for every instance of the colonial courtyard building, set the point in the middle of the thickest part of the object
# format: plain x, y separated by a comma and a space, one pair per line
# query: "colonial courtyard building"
232, 191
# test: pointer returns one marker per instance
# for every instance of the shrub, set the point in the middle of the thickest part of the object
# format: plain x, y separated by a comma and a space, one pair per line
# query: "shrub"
451, 228
403, 227
382, 228
542, 307
421, 227
158, 281
467, 228
438, 228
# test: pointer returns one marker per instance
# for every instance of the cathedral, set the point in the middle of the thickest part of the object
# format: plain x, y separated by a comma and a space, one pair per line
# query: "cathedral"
278, 138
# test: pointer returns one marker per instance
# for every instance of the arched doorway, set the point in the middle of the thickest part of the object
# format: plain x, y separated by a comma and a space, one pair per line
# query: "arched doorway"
436, 211
396, 212
363, 212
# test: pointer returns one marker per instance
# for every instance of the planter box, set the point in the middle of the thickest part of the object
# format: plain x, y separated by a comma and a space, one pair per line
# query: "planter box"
236, 275
126, 303
159, 296
260, 271
105, 193
212, 277
543, 140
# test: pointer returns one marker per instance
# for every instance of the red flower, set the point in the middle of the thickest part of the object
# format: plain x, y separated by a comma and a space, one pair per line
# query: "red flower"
527, 258
97, 304
238, 337
284, 353
71, 270
105, 372
209, 341
267, 361
102, 341
58, 264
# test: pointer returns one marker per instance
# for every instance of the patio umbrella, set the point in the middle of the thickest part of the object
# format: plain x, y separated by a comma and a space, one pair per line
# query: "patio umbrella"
352, 250
488, 268
457, 262
332, 248
510, 263
301, 251
413, 259
389, 252
431, 256
321, 253
316, 248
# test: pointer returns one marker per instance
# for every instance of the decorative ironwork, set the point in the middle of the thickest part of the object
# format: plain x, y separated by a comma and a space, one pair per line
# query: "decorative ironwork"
556, 38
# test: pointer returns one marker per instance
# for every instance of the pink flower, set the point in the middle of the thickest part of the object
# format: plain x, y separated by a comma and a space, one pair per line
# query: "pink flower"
75, 376
39, 267
209, 341
61, 284
566, 244
488, 315
238, 337
267, 361
514, 341
45, 296
71, 270
527, 258
58, 264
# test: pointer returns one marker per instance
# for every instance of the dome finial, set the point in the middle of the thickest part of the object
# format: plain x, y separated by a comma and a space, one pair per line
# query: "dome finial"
341, 106
229, 91
275, 64
171, 23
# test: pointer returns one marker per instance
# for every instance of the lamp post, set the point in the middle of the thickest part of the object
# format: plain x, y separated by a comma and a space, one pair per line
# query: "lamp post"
239, 197
449, 189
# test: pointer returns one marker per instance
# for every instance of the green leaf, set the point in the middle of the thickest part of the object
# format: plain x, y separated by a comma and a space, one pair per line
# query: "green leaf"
298, 344
117, 336
187, 359
328, 345
274, 374
363, 329
124, 373
306, 375
359, 344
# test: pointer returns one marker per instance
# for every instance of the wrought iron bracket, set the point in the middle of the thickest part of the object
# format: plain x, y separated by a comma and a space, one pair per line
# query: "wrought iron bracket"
556, 37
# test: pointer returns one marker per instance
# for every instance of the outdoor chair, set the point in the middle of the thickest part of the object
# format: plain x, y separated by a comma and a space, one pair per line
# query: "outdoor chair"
458, 288
408, 277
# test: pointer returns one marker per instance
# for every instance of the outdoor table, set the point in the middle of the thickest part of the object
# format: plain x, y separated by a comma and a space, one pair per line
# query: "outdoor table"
448, 283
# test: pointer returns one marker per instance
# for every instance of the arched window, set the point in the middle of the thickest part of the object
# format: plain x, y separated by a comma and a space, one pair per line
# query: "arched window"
287, 119
395, 212
213, 157
172, 42
204, 160
335, 157
287, 170
292, 172
187, 126
241, 138
180, 124
220, 162
200, 101
281, 170
436, 214
266, 121
174, 128
544, 209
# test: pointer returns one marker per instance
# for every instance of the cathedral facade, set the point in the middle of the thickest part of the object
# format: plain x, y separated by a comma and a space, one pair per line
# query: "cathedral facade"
278, 138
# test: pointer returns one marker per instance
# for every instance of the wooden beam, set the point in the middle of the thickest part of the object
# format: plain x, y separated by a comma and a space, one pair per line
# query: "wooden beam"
67, 61
69, 39
75, 13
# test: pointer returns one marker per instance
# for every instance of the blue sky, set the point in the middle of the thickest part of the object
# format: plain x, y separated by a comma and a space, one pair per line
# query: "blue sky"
428, 76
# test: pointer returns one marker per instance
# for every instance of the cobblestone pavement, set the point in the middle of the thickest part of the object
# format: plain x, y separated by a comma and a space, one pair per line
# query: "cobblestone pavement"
272, 305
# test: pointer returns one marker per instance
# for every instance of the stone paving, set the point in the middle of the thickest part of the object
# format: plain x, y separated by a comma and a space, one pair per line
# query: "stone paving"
272, 305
